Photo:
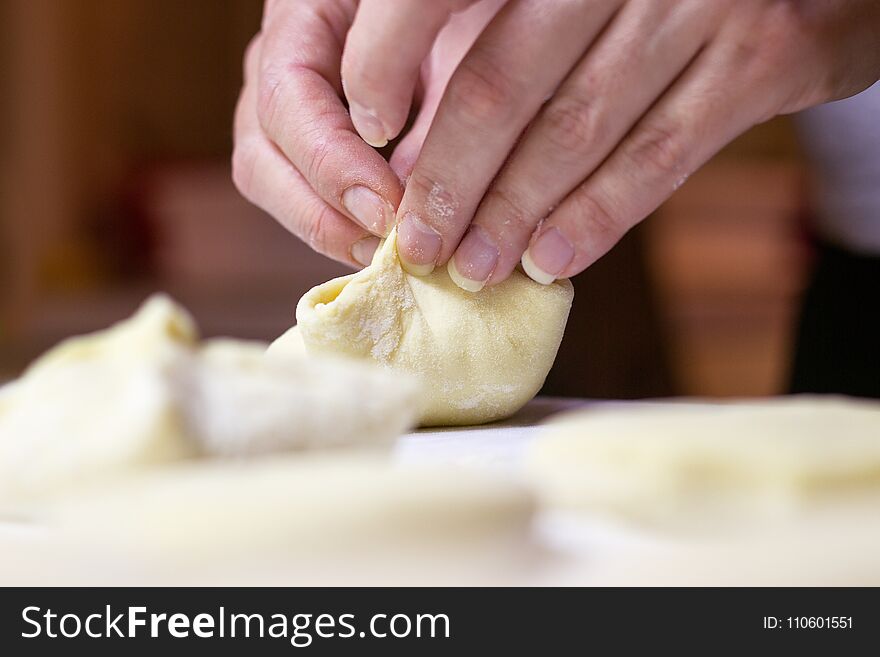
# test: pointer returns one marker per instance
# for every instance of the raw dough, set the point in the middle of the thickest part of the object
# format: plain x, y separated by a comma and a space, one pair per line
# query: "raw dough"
236, 400
95, 404
146, 392
317, 505
481, 356
695, 464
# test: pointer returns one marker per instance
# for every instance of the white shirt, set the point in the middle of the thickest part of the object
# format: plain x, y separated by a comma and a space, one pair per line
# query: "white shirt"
842, 140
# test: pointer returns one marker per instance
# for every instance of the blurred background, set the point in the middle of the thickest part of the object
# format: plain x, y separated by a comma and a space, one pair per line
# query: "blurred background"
114, 164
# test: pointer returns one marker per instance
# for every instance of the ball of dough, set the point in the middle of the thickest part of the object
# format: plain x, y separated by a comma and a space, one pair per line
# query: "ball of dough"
481, 356
690, 464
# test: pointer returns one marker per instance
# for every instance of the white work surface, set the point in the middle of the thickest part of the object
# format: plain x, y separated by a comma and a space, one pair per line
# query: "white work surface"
498, 445
567, 550
831, 547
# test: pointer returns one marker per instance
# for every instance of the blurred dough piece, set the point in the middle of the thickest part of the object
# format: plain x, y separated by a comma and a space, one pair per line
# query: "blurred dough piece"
156, 332
481, 356
322, 505
693, 464
145, 392
239, 401
96, 404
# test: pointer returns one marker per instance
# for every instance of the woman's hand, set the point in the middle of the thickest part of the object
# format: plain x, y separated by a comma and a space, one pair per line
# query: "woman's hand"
568, 122
297, 154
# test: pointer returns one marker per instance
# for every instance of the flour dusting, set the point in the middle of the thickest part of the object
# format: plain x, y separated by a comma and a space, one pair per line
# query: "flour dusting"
439, 203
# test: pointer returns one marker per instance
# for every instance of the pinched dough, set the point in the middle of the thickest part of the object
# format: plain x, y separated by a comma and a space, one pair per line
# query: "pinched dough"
691, 464
481, 356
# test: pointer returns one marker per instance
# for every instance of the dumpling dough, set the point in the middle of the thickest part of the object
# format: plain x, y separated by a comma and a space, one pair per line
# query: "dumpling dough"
696, 464
95, 404
145, 392
481, 356
236, 400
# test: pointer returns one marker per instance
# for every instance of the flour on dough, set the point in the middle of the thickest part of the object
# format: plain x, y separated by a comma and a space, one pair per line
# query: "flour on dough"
481, 356
697, 463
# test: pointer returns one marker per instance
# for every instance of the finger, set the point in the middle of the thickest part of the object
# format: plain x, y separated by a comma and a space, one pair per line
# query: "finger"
490, 99
451, 45
266, 178
639, 55
384, 51
713, 102
300, 110
407, 150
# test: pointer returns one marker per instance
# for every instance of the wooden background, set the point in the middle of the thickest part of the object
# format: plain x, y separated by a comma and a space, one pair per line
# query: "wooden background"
114, 167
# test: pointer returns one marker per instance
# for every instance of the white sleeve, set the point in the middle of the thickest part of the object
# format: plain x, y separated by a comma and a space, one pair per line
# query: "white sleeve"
842, 140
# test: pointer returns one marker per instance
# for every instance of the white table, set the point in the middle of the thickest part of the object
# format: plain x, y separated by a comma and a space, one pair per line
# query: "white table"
567, 550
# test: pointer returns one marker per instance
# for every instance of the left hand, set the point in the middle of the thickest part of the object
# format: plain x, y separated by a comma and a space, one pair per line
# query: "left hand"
568, 122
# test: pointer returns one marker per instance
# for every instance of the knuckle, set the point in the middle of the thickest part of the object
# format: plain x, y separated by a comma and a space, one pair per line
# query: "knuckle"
270, 94
244, 159
318, 233
598, 218
789, 39
745, 52
510, 220
481, 91
439, 201
774, 47
251, 57
572, 126
658, 149
787, 19
315, 163
778, 39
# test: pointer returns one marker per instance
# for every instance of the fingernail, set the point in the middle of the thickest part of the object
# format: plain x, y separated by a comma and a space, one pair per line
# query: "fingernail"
369, 209
368, 125
474, 261
362, 251
547, 257
418, 245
